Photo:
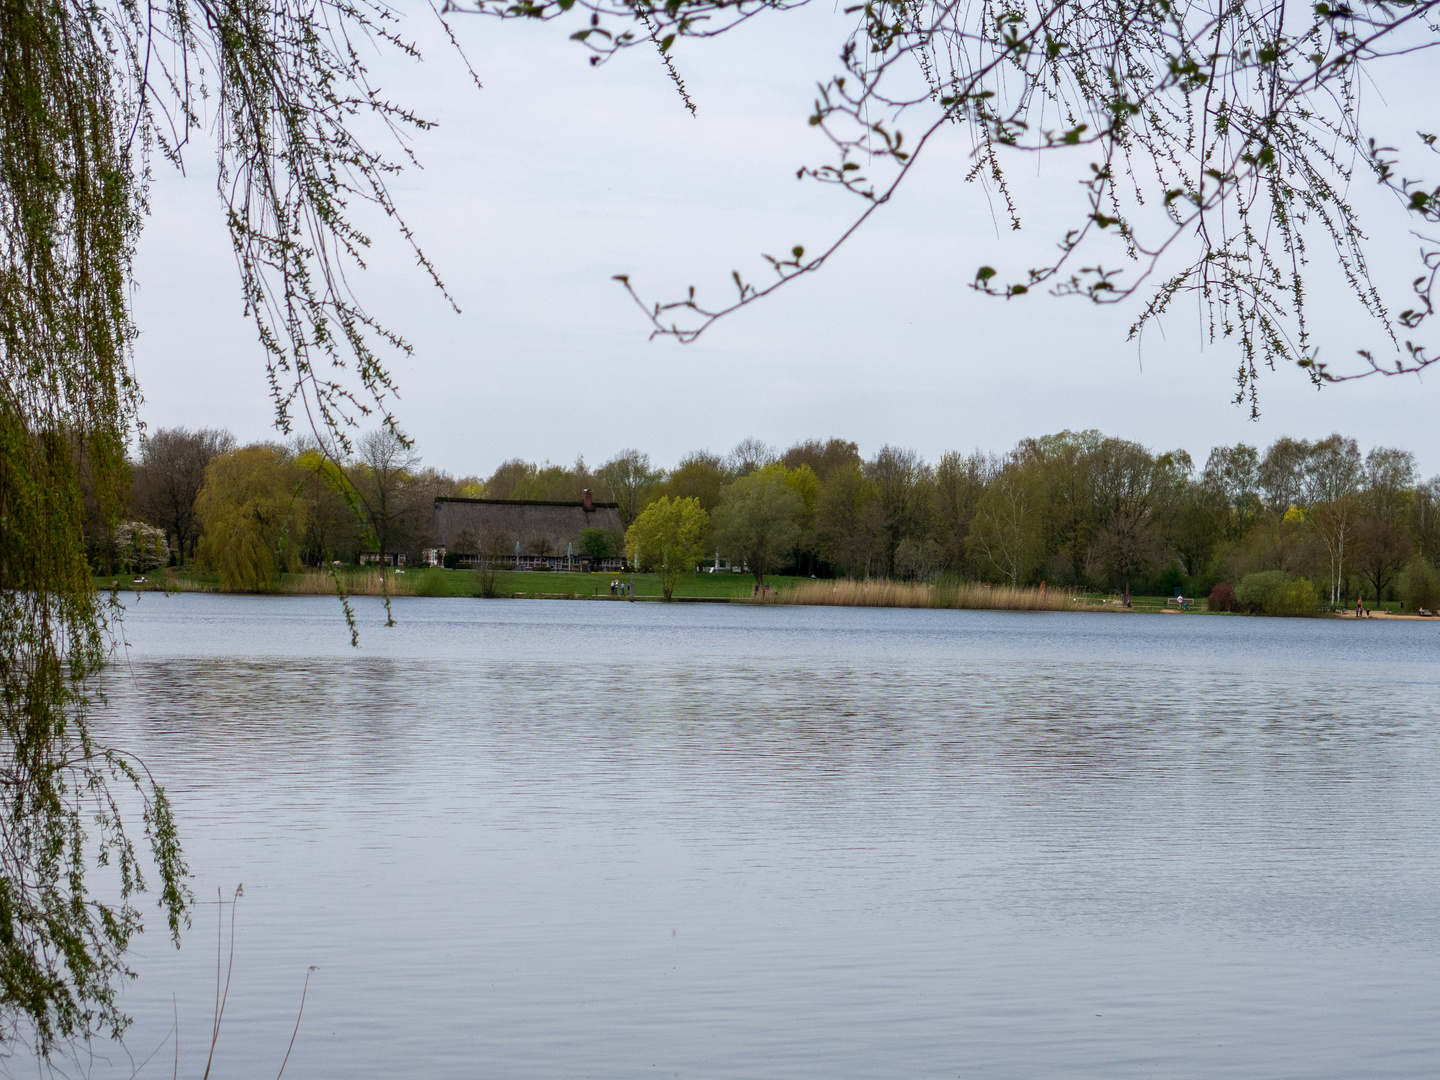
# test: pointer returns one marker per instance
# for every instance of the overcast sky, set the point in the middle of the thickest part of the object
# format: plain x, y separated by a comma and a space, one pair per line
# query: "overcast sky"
556, 175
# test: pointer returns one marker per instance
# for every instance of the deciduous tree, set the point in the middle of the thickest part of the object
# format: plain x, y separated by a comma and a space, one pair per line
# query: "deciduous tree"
1006, 537
1381, 553
168, 478
629, 479
383, 478
758, 519
1131, 487
849, 524
253, 517
701, 476
959, 485
1336, 523
665, 539
1234, 473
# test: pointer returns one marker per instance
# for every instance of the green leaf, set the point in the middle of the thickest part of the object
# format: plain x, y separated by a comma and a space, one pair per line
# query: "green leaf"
985, 273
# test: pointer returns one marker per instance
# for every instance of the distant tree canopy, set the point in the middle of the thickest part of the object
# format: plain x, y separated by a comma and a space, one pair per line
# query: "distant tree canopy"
1219, 144
1075, 509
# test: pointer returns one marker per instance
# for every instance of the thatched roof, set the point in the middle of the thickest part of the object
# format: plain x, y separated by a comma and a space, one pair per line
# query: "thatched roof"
494, 526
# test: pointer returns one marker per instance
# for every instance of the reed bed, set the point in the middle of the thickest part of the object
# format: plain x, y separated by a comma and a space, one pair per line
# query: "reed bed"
357, 583
879, 592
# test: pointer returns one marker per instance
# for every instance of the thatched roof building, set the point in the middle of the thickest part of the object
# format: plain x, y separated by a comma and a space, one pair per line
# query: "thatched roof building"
546, 532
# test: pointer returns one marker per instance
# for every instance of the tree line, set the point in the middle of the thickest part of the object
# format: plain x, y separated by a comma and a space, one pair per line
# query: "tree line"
1073, 509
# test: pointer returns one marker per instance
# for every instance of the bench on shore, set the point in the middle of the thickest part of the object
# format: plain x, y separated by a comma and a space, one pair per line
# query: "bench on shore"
1184, 603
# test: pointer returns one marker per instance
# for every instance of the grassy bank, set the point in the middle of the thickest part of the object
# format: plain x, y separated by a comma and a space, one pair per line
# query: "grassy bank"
437, 582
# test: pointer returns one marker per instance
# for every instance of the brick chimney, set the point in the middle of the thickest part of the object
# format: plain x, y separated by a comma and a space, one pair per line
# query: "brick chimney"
586, 498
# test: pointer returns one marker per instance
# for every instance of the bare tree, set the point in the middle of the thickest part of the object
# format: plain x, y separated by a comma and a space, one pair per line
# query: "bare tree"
381, 473
169, 476
749, 455
1282, 474
629, 479
823, 456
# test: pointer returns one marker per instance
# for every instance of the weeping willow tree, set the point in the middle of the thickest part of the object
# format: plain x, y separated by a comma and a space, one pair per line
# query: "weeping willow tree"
91, 96
1219, 147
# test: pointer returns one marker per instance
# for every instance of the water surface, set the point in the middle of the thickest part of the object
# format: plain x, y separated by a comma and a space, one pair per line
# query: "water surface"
549, 839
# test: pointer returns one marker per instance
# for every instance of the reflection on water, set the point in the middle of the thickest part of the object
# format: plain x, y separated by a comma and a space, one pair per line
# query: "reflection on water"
610, 840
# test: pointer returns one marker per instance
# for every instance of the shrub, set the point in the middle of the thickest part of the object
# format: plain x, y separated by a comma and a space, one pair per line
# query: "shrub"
1294, 598
1420, 585
1255, 588
1222, 598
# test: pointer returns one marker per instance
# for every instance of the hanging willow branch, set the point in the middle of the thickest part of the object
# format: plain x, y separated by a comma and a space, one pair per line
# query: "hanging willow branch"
1222, 140
90, 94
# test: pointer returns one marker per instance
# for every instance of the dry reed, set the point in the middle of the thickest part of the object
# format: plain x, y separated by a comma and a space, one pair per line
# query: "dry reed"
879, 592
357, 583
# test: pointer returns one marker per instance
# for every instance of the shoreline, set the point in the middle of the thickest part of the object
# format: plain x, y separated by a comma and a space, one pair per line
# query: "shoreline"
1103, 607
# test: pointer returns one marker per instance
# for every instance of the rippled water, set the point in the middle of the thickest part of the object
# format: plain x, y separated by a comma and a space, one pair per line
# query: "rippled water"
531, 839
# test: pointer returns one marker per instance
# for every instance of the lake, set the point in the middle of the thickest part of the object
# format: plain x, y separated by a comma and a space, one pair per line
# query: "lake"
550, 839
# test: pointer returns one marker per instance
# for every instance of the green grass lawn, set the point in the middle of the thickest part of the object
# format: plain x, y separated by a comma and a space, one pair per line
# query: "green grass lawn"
160, 580
1140, 603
